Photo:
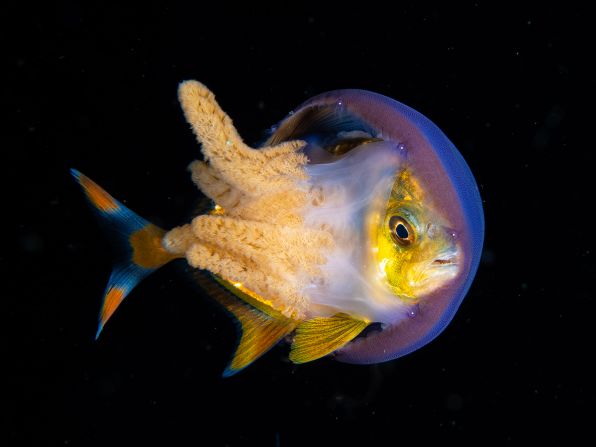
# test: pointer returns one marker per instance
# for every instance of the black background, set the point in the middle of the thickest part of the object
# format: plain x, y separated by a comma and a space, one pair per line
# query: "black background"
95, 88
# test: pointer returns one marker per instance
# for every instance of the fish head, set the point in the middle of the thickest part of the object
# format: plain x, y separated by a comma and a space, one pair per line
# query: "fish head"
413, 247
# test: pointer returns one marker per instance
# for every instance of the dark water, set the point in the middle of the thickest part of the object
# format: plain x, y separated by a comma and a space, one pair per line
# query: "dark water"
95, 88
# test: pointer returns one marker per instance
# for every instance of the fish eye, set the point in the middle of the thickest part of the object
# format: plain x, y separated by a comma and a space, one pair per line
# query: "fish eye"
401, 231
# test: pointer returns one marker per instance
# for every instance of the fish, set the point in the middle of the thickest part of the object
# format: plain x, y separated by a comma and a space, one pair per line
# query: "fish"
353, 231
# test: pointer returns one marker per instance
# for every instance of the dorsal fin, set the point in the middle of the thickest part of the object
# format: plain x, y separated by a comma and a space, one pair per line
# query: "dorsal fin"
321, 336
323, 120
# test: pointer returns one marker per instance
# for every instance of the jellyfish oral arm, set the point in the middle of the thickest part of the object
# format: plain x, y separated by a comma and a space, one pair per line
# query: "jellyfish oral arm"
257, 237
249, 171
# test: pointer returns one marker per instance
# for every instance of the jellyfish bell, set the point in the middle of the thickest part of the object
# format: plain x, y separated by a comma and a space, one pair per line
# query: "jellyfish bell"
404, 209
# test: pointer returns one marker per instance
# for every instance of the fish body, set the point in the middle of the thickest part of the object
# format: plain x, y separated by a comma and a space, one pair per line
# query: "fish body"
356, 211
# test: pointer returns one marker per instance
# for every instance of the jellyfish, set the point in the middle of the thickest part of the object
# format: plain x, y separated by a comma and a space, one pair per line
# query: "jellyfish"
354, 231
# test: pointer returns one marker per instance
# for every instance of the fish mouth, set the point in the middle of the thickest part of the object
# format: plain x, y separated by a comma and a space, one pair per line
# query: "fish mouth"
445, 261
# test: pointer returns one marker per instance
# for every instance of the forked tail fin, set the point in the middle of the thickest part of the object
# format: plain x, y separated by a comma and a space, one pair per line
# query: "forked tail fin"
137, 246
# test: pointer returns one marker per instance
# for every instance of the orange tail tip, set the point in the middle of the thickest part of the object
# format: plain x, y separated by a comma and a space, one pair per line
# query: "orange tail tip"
137, 244
99, 198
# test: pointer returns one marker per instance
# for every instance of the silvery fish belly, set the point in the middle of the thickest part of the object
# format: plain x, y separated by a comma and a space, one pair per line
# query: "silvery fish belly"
356, 213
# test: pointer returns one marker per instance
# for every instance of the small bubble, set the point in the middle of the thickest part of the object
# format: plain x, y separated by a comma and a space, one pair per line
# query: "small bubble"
228, 143
402, 150
414, 311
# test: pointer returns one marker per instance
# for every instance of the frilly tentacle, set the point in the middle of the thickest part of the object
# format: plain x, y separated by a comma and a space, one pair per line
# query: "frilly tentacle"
257, 238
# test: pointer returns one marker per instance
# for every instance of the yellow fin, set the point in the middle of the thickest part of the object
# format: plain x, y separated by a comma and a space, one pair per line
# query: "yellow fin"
321, 336
260, 326
260, 333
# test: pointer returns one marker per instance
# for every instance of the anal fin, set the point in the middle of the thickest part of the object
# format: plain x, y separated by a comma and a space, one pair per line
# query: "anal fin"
260, 327
259, 333
320, 336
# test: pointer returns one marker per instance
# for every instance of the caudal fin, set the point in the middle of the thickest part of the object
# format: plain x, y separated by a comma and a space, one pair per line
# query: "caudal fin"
137, 245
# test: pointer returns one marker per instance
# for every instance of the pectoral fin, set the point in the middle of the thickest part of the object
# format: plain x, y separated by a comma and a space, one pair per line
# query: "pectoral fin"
321, 336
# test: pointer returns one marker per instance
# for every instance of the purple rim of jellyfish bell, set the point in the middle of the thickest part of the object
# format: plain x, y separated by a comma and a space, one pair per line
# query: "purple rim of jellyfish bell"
444, 174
